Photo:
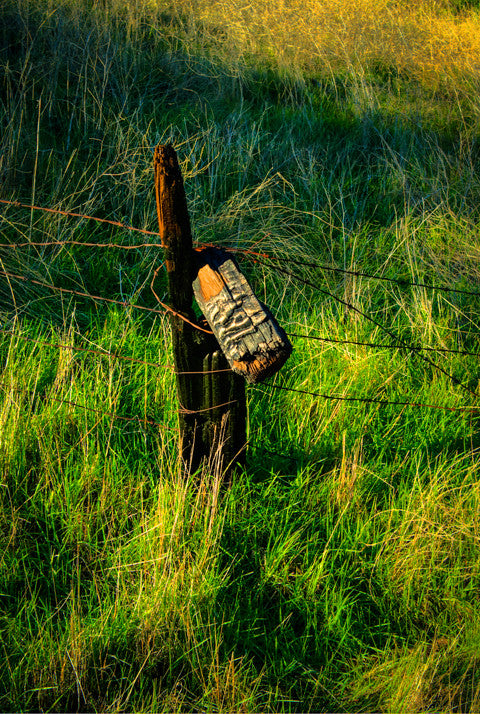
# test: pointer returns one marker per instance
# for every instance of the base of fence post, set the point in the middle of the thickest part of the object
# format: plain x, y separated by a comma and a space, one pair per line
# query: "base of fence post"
224, 429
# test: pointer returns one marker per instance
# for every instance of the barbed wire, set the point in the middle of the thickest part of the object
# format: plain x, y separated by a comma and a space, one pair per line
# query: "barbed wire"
112, 415
366, 400
114, 355
243, 251
118, 224
259, 258
380, 345
100, 298
147, 421
175, 312
136, 360
139, 419
78, 293
78, 348
372, 276
72, 214
184, 410
391, 334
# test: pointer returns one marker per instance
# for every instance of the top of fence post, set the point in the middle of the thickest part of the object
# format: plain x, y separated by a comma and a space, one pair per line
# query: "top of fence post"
174, 227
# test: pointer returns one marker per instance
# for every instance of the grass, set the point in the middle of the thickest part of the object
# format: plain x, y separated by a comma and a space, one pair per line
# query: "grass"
340, 571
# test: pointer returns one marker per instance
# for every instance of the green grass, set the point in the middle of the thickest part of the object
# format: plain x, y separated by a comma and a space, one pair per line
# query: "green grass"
340, 571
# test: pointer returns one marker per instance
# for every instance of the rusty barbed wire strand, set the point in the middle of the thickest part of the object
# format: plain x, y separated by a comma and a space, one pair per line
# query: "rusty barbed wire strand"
246, 252
99, 298
137, 418
115, 355
71, 214
118, 224
207, 371
185, 319
367, 400
183, 410
379, 345
391, 334
96, 298
371, 276
123, 303
405, 345
290, 334
78, 348
85, 244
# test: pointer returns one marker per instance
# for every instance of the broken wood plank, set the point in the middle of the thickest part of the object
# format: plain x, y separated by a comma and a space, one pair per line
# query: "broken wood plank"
251, 339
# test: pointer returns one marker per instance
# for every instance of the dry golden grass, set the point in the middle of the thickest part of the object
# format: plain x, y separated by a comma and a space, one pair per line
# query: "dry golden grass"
421, 40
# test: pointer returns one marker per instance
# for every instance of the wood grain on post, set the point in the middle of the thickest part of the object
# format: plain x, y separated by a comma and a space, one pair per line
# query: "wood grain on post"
212, 413
253, 342
174, 227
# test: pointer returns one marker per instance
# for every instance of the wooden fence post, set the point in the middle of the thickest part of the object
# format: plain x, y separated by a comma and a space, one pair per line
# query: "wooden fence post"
212, 411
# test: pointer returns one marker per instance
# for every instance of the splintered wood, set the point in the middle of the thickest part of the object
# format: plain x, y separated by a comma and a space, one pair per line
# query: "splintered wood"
251, 339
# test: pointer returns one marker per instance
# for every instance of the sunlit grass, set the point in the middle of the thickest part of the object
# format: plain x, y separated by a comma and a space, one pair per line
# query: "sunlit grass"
340, 571
422, 41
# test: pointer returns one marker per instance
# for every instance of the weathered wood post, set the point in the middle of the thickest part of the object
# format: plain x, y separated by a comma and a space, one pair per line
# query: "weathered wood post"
212, 413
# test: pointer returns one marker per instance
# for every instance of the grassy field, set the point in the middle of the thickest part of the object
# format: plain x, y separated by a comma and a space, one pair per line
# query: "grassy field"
340, 572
